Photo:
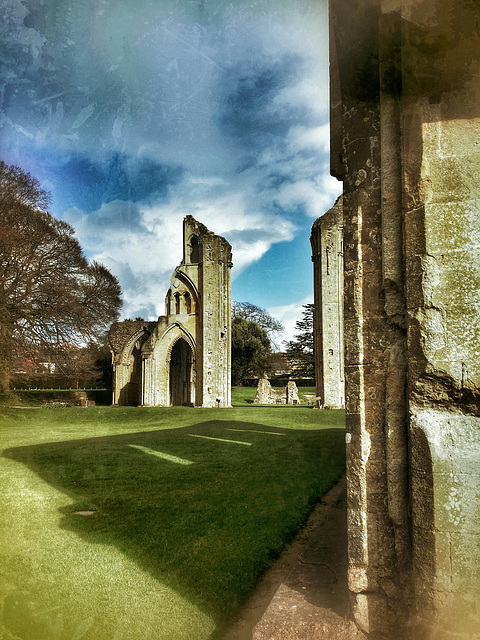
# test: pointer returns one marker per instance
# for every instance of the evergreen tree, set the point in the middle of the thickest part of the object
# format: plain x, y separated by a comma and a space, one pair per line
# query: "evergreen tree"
300, 350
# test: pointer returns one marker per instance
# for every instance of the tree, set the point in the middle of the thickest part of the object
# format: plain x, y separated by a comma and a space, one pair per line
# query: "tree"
250, 350
80, 366
300, 350
49, 293
251, 312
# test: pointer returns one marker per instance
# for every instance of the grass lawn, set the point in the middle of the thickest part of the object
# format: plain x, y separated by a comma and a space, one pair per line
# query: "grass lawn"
242, 396
181, 511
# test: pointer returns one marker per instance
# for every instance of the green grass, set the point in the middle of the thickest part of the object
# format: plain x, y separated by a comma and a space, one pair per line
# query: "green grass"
172, 549
243, 396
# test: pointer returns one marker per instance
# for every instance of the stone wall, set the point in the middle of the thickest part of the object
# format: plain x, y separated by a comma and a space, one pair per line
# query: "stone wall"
405, 140
327, 256
266, 395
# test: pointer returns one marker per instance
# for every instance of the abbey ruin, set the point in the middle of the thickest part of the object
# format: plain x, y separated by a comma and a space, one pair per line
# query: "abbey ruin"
405, 141
183, 358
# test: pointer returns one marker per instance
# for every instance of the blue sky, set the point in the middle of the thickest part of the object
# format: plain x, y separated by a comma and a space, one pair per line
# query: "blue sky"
135, 114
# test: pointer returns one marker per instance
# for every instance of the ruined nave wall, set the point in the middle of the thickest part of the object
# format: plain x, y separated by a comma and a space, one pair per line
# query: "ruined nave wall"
327, 257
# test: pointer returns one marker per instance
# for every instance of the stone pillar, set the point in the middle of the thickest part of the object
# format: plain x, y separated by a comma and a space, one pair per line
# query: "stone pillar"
215, 294
327, 256
405, 118
263, 392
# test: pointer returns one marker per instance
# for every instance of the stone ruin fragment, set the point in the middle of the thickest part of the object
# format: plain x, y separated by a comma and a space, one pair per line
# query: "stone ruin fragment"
266, 395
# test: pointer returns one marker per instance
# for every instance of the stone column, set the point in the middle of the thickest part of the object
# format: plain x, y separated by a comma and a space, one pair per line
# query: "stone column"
371, 338
216, 320
327, 257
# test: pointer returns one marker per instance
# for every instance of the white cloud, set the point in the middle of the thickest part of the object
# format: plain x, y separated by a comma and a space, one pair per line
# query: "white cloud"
226, 212
141, 244
309, 93
136, 253
288, 316
305, 138
316, 195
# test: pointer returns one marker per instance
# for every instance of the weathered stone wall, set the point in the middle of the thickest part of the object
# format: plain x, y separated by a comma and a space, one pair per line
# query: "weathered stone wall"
405, 119
215, 284
327, 256
184, 357
266, 395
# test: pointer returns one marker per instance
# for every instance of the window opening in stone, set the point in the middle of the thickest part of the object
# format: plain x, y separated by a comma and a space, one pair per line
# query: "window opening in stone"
188, 302
194, 250
168, 303
181, 374
177, 303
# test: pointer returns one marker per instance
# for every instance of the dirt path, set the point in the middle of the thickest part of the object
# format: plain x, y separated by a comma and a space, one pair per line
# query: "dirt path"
305, 595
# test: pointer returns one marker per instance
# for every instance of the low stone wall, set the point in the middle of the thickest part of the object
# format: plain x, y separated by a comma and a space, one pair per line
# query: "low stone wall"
267, 395
83, 398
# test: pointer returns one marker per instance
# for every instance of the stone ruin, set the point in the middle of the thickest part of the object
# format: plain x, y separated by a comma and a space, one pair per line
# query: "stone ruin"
184, 357
405, 141
266, 395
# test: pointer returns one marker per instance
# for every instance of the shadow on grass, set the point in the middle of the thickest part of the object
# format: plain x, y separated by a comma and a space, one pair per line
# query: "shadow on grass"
205, 509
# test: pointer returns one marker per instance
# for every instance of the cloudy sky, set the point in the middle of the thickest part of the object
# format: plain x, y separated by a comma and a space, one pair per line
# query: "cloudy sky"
135, 113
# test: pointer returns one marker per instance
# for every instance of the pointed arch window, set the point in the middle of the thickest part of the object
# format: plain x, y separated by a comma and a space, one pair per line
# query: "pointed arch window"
188, 302
194, 250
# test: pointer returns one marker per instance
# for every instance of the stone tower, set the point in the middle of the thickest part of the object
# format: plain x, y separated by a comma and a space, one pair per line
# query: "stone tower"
327, 257
184, 357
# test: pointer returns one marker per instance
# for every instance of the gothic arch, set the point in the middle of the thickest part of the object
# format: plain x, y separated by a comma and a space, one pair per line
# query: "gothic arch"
130, 391
180, 373
189, 284
164, 348
130, 345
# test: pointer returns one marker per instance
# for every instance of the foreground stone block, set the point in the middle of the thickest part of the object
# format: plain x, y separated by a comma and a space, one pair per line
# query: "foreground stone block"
405, 134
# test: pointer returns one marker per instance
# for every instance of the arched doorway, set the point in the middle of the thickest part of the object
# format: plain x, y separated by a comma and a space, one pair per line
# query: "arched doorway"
181, 374
131, 392
134, 386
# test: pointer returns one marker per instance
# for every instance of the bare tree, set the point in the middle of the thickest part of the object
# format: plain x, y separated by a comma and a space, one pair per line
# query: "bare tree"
49, 293
252, 313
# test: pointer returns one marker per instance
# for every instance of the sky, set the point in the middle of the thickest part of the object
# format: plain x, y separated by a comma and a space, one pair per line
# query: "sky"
135, 113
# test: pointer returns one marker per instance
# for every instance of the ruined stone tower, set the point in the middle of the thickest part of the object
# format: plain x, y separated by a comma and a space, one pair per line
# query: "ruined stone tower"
184, 357
405, 141
327, 257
